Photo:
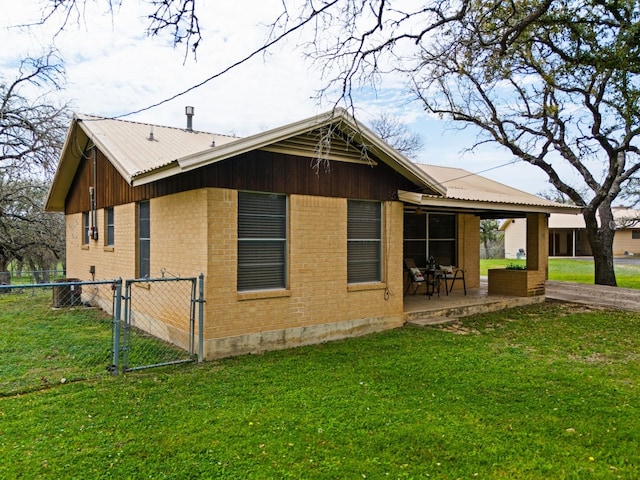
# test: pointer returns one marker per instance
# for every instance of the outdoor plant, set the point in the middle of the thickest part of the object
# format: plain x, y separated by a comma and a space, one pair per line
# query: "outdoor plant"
516, 266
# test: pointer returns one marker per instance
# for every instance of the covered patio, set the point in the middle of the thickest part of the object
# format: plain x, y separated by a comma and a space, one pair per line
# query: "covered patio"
444, 231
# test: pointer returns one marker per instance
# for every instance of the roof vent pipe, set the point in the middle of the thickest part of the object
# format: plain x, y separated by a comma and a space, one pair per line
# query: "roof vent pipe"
189, 112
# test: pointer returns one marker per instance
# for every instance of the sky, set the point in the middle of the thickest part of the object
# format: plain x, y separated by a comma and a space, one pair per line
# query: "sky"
113, 68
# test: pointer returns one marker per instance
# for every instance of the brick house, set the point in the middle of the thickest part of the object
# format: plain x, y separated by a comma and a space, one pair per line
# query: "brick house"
291, 254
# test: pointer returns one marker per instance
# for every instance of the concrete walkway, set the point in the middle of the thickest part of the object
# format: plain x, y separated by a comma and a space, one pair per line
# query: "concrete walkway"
595, 295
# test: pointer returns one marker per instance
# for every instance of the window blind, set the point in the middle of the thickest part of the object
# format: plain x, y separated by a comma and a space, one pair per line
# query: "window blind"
144, 240
262, 241
364, 241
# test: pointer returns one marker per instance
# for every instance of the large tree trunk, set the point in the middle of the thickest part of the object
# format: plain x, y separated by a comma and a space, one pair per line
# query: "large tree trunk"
601, 241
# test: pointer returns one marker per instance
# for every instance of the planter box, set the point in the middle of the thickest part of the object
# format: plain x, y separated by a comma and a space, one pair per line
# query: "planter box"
517, 283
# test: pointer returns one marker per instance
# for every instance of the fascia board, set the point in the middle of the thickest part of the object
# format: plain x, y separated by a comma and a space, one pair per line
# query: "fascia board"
505, 207
166, 171
431, 201
111, 155
65, 173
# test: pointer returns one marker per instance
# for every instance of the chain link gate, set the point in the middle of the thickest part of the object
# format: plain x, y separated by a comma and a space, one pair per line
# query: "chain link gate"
155, 323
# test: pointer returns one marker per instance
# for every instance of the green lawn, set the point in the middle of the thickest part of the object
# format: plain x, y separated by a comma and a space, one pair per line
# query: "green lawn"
540, 392
40, 346
572, 270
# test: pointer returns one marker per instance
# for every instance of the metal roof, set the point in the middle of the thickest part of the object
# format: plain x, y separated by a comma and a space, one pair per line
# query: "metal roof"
464, 188
141, 147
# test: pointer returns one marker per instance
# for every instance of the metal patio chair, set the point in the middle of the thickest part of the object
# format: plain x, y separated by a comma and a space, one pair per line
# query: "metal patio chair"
450, 274
416, 277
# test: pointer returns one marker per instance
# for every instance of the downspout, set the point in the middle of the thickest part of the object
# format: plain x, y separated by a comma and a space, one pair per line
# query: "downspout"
92, 197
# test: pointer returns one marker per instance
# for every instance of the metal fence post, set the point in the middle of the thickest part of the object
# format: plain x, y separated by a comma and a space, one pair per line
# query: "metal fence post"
192, 317
117, 309
127, 325
201, 319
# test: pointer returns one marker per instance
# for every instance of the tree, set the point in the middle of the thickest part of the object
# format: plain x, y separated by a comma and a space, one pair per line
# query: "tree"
31, 133
31, 137
631, 192
491, 237
560, 90
554, 82
391, 129
28, 234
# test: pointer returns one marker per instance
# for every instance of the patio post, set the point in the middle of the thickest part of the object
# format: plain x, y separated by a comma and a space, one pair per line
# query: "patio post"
537, 242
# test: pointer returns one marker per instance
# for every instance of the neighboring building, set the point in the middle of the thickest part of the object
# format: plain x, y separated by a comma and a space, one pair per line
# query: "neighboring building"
291, 255
568, 235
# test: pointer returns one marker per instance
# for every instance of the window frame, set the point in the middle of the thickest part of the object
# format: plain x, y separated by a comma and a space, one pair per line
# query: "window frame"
428, 243
262, 229
109, 227
364, 241
143, 264
635, 234
86, 228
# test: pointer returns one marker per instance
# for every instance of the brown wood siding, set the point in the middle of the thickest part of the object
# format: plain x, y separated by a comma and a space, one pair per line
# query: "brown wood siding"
256, 171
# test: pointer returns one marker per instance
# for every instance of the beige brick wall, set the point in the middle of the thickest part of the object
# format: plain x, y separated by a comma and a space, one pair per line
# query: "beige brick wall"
469, 250
110, 262
520, 283
318, 293
178, 246
178, 234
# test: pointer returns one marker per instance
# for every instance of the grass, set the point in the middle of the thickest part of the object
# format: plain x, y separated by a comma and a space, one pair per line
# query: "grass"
545, 391
41, 346
573, 270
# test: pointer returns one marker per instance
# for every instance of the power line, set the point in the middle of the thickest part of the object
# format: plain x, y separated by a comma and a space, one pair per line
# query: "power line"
264, 48
471, 174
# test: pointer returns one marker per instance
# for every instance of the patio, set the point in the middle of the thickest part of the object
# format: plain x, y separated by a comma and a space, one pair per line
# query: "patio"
421, 309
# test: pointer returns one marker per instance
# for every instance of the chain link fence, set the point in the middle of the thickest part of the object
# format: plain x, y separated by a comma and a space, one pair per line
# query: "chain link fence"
164, 309
69, 330
19, 276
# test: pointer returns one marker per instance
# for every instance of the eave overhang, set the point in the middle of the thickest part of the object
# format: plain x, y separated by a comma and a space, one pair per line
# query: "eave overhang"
478, 206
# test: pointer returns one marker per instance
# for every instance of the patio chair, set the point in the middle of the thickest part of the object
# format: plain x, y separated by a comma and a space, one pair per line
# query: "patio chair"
450, 274
416, 277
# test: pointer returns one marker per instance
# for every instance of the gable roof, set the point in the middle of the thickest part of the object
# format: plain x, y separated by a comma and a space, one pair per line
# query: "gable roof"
485, 194
143, 158
132, 148
144, 153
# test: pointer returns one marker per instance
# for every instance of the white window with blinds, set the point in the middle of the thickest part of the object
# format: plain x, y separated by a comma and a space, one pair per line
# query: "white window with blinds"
262, 241
364, 241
